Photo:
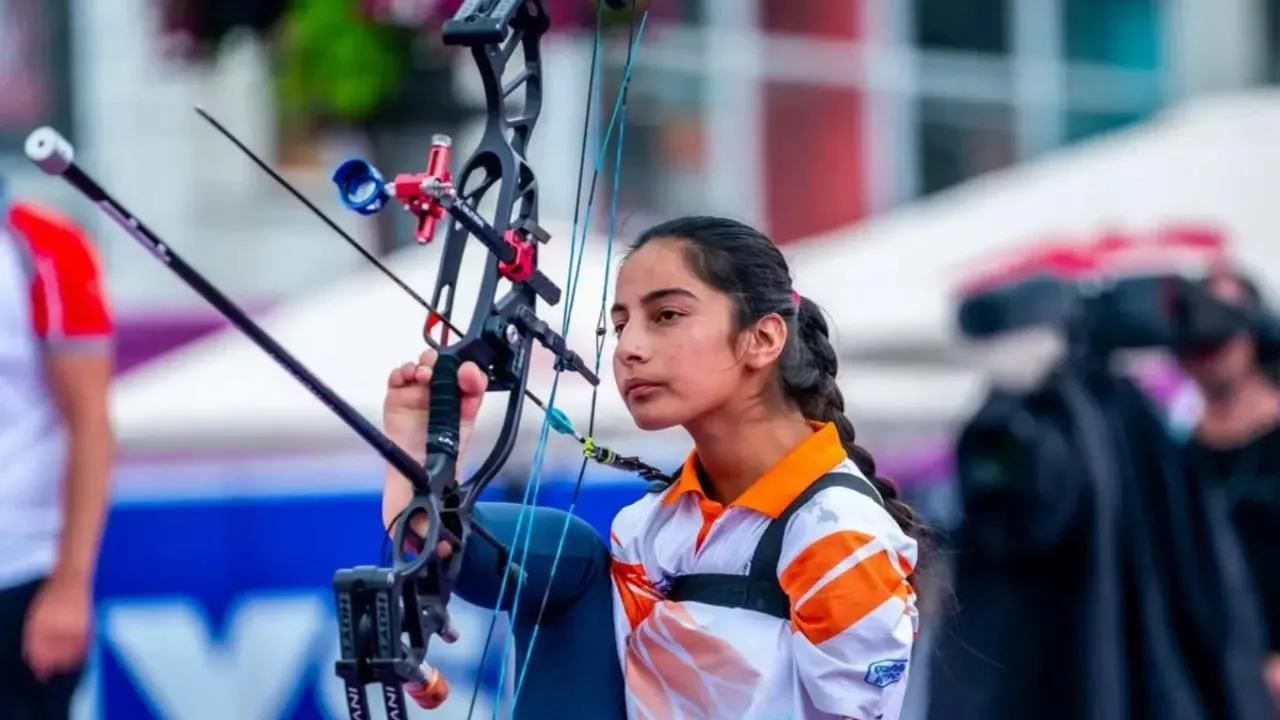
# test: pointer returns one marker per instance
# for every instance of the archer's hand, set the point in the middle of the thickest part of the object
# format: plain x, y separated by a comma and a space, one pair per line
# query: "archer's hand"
404, 411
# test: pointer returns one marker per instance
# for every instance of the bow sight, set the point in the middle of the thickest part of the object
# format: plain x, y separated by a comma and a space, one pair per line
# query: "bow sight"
377, 607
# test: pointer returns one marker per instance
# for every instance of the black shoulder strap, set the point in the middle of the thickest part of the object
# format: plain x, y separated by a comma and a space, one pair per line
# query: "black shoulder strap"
656, 487
759, 590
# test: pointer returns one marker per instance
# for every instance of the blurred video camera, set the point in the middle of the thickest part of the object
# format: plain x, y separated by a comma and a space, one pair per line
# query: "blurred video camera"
1121, 292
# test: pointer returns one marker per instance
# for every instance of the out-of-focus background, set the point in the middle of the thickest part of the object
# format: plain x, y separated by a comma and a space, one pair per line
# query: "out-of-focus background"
888, 144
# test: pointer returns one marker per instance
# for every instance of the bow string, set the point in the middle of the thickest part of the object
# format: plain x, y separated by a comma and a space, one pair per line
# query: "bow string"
377, 606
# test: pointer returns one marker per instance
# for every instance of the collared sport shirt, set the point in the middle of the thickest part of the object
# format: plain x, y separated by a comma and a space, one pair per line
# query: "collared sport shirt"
51, 300
845, 650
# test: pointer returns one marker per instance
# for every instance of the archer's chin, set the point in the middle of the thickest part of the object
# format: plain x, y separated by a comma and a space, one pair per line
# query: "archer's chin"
652, 417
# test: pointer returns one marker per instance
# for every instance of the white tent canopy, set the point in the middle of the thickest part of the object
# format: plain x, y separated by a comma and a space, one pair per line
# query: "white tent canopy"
1211, 162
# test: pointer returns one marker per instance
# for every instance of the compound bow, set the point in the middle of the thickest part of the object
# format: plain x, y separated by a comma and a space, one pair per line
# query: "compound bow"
377, 606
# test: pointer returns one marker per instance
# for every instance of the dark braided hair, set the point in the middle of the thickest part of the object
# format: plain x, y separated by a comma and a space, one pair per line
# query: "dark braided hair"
744, 264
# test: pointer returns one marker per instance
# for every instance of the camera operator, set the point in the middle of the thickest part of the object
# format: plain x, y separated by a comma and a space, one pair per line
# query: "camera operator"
1097, 572
1235, 449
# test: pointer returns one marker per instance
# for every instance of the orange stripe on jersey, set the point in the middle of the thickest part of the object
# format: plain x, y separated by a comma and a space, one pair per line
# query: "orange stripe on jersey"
776, 489
846, 598
636, 592
820, 558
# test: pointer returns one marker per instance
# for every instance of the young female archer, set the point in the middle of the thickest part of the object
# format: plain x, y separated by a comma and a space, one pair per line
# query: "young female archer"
772, 577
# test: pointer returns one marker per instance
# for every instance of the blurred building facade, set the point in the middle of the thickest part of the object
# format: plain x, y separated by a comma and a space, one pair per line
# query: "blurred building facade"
803, 115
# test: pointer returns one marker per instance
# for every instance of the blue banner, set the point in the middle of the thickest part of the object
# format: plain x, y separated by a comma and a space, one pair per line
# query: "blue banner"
214, 597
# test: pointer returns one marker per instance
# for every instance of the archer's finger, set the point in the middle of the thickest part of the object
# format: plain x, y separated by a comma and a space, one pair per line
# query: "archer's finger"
428, 358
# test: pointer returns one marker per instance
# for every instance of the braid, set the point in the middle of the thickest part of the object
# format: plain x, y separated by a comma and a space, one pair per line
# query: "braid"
809, 378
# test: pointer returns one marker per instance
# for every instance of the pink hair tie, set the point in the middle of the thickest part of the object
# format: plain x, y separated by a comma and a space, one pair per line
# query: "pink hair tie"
795, 298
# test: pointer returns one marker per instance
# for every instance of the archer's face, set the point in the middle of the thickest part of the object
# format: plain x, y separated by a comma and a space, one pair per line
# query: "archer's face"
674, 360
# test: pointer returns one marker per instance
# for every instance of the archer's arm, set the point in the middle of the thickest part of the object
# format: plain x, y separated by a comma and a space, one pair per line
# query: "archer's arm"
844, 566
74, 322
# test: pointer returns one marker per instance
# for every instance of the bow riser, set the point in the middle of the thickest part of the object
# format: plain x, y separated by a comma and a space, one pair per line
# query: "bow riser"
499, 338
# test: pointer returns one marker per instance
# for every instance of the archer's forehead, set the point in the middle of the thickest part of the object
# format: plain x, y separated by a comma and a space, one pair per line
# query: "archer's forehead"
656, 271
659, 263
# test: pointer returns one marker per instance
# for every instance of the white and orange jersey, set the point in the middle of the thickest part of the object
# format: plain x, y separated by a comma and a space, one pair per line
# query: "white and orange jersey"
845, 651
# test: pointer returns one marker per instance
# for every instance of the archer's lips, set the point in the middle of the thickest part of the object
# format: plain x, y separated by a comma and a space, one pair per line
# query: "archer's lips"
637, 390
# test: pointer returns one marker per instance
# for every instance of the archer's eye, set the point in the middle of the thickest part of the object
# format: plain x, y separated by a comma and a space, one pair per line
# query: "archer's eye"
666, 317
617, 329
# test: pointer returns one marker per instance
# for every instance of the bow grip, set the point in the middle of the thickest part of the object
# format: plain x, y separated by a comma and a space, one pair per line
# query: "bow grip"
444, 418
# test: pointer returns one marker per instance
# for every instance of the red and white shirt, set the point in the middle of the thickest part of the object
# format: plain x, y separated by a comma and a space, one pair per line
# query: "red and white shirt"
51, 300
845, 651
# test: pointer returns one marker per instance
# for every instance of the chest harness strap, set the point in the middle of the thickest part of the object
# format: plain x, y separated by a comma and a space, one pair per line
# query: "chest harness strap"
759, 589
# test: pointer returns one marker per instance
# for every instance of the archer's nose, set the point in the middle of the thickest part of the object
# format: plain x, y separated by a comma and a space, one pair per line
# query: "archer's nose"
631, 349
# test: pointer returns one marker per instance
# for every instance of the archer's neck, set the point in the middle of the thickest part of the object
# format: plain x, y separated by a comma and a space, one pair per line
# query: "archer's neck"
1240, 416
736, 448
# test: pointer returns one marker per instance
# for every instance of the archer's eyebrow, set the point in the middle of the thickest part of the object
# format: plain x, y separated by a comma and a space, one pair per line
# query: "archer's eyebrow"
654, 296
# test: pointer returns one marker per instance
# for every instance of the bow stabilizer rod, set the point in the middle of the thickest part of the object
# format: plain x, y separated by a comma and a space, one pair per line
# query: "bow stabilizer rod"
55, 155
373, 595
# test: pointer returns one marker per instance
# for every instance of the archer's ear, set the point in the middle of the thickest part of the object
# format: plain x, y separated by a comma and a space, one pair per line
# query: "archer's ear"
765, 341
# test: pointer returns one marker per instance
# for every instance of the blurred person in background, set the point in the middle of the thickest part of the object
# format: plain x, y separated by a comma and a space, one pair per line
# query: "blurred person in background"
56, 451
1235, 448
1095, 577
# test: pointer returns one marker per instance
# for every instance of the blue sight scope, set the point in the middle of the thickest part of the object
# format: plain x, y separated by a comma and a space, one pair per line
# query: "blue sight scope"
361, 187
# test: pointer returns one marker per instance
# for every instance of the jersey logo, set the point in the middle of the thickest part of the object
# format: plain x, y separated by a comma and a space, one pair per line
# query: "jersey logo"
886, 672
821, 513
